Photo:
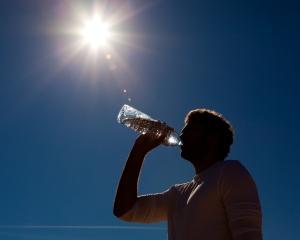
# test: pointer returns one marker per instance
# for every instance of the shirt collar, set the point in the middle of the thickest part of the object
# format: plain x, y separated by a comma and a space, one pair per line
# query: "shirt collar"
200, 176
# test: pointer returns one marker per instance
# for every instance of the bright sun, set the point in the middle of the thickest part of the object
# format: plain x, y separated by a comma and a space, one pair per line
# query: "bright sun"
95, 33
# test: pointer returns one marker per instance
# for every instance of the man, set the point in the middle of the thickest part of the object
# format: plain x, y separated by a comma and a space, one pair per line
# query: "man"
221, 201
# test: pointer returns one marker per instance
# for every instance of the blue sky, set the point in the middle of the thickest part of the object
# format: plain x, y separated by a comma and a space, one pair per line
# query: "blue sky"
62, 151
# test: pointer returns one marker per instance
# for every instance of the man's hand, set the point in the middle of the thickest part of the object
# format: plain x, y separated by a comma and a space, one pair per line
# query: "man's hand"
148, 141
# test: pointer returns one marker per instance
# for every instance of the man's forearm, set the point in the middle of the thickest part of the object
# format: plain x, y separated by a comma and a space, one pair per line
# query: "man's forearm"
127, 189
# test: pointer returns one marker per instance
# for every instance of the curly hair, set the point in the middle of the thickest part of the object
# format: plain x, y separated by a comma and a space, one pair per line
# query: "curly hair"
214, 123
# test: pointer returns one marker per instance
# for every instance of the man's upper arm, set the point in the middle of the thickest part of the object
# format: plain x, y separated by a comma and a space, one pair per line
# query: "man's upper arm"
241, 201
149, 208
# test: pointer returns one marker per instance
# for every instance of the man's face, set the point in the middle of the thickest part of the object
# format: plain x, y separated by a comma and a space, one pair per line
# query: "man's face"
194, 139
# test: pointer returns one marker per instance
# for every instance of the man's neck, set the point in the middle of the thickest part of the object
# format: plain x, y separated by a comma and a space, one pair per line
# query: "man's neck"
203, 164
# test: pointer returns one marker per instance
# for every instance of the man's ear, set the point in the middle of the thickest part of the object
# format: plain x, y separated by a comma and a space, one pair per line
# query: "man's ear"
213, 140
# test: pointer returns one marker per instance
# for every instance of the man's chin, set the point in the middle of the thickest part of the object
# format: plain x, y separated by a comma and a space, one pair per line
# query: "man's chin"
185, 156
188, 156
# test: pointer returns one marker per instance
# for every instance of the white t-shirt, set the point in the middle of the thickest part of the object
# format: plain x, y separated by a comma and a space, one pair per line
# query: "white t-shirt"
220, 203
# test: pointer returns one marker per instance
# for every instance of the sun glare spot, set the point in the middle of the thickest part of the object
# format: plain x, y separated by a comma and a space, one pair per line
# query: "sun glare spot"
95, 33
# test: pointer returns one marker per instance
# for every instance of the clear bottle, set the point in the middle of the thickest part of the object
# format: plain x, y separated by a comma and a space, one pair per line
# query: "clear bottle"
143, 123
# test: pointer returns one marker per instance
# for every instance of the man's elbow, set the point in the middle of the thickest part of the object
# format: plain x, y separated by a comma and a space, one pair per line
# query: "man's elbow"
117, 211
122, 214
126, 216
122, 208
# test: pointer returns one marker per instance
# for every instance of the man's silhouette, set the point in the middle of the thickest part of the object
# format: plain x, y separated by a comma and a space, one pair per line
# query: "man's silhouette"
221, 201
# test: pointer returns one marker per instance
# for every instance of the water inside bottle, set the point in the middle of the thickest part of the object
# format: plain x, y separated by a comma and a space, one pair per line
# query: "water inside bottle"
143, 126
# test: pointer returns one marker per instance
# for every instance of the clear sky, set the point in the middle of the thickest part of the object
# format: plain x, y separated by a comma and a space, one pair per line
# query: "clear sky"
61, 148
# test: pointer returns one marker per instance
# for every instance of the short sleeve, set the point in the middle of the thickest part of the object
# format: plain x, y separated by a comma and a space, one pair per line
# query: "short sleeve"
240, 198
150, 208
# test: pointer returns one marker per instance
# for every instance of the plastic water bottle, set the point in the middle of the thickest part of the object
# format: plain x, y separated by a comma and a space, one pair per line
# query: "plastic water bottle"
143, 123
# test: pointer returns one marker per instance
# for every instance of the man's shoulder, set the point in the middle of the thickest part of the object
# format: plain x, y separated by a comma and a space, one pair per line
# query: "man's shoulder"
233, 170
233, 165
